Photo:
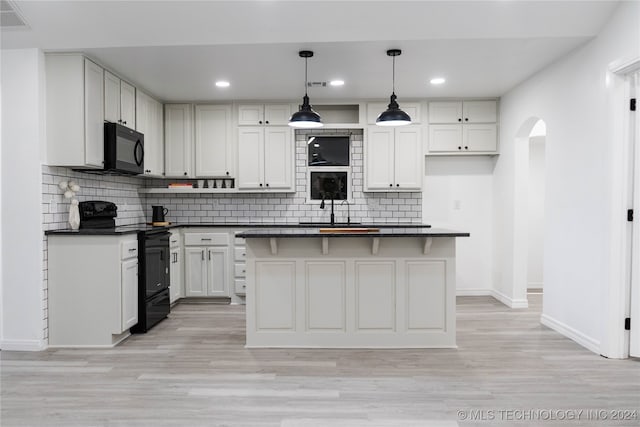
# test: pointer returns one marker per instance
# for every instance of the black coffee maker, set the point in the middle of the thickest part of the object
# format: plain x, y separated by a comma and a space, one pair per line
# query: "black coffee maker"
158, 214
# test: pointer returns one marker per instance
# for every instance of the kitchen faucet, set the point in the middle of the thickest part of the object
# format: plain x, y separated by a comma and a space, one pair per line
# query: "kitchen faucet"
348, 211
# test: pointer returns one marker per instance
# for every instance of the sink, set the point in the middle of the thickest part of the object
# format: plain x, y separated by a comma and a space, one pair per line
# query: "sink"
328, 224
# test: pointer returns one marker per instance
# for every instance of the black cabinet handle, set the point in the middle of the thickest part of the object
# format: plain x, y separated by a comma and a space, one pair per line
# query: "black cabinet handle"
124, 123
209, 255
227, 173
203, 255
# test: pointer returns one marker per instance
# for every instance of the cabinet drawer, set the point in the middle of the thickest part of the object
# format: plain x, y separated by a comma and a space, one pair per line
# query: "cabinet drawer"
129, 249
201, 239
240, 269
240, 286
240, 253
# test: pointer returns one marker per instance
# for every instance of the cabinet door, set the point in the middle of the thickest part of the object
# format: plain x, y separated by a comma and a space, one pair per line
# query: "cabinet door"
408, 158
93, 114
445, 112
178, 140
445, 138
250, 164
175, 273
128, 104
213, 140
379, 158
480, 111
129, 303
217, 274
277, 114
278, 158
153, 141
195, 283
111, 98
250, 114
479, 137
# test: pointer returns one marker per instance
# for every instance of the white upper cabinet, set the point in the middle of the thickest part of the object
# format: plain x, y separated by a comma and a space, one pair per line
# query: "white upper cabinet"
214, 150
119, 101
463, 127
264, 114
178, 132
393, 158
149, 123
265, 158
411, 108
75, 111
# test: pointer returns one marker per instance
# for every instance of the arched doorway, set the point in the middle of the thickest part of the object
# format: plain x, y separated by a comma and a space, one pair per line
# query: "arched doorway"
529, 196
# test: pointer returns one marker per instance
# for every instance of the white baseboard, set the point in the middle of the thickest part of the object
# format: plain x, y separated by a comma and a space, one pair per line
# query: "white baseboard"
508, 301
473, 292
573, 334
23, 345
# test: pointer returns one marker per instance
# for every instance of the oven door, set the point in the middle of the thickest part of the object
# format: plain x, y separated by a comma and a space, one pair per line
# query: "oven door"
156, 254
158, 308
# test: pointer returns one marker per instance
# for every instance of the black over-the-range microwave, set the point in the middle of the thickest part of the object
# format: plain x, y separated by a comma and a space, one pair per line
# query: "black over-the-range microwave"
123, 149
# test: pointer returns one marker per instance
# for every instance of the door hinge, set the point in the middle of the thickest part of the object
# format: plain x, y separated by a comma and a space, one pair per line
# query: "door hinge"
630, 215
627, 324
632, 104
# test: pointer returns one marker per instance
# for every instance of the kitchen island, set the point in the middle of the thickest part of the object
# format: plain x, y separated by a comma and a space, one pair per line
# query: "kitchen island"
351, 288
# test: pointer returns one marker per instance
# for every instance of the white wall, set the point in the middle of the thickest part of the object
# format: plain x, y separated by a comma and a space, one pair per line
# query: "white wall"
535, 210
22, 138
572, 96
458, 194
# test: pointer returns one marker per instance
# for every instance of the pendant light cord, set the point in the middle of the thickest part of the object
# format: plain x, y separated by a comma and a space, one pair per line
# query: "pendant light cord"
393, 74
305, 76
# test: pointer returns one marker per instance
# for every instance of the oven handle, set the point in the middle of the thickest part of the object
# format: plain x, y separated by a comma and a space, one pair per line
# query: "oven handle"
135, 153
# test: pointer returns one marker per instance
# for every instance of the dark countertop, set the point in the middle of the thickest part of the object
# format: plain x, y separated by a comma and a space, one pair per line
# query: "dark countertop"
382, 232
136, 228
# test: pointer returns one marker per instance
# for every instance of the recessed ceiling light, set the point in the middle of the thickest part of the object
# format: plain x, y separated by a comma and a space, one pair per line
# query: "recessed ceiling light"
222, 83
437, 81
336, 82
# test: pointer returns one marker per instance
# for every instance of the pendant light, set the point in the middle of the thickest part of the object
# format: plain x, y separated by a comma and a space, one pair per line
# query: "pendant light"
306, 117
393, 116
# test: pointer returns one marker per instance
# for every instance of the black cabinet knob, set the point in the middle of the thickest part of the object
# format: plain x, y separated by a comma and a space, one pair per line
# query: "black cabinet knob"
227, 173
267, 184
459, 148
185, 174
466, 119
390, 185
260, 184
267, 122
397, 185
459, 120
466, 148
124, 123
260, 122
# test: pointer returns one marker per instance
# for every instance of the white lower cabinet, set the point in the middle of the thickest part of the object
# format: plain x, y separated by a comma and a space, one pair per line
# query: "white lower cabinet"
96, 312
175, 274
206, 258
240, 266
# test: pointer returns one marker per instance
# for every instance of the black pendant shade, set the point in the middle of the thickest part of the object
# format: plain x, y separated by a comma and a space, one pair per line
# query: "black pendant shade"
306, 117
393, 115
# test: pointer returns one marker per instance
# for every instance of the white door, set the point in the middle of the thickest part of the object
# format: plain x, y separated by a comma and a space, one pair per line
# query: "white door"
128, 104
129, 303
93, 114
479, 112
408, 158
217, 272
111, 98
175, 273
379, 158
277, 114
250, 157
213, 140
445, 112
195, 283
157, 125
178, 140
278, 158
634, 334
445, 138
480, 137
250, 114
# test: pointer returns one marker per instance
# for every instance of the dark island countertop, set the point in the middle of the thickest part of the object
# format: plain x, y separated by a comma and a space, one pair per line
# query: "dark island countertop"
137, 228
381, 232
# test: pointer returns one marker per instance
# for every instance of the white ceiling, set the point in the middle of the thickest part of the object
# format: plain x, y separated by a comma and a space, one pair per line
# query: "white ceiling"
177, 49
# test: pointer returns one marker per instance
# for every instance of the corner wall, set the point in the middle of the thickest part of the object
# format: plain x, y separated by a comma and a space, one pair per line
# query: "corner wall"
22, 82
573, 97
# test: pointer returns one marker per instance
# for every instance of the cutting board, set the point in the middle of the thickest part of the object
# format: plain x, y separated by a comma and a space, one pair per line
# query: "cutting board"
349, 230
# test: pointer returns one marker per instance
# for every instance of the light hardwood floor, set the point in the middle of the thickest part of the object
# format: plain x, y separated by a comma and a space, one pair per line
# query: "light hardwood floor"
192, 370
